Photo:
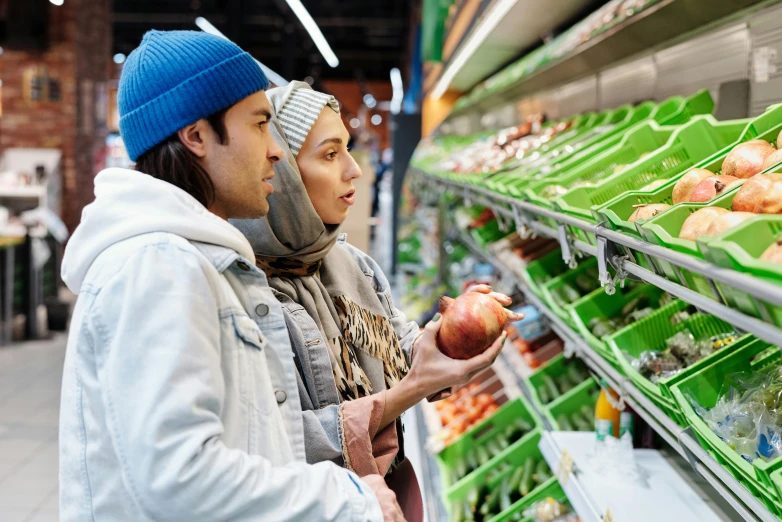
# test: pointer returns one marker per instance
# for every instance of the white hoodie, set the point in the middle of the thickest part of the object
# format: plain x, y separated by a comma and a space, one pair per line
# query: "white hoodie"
179, 397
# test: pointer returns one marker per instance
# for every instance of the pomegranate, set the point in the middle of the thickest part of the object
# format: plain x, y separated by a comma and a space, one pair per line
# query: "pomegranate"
712, 187
727, 221
760, 194
684, 188
772, 160
746, 160
647, 211
699, 221
470, 324
773, 253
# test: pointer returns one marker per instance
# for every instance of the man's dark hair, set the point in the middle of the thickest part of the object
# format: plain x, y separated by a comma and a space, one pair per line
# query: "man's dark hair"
172, 162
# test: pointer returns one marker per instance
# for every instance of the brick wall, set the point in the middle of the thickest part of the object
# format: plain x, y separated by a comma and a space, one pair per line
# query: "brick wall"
79, 58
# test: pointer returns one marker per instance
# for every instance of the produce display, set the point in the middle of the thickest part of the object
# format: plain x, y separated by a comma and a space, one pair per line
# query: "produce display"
483, 502
682, 350
480, 455
634, 310
550, 510
553, 387
582, 420
583, 284
463, 410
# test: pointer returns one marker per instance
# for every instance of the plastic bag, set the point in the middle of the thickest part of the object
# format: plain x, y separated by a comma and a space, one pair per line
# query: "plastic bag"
550, 510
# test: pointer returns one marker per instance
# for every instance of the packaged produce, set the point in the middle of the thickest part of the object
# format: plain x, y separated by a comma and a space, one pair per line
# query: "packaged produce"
682, 350
550, 510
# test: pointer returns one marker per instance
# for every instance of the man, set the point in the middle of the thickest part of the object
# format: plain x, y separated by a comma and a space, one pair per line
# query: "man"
179, 397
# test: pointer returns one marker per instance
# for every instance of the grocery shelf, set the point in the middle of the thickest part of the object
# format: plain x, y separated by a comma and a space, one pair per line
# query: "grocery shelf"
681, 440
518, 213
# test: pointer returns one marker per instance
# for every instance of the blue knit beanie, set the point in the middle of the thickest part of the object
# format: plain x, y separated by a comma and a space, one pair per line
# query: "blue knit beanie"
175, 78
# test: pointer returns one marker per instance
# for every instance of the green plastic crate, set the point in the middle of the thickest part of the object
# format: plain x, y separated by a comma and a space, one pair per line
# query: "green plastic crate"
740, 249
689, 145
551, 489
584, 394
651, 333
616, 212
554, 368
587, 268
484, 432
602, 305
704, 387
514, 459
664, 228
542, 270
673, 111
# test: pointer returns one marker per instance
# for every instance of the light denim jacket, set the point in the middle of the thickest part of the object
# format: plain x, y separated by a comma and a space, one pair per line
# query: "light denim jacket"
320, 400
179, 397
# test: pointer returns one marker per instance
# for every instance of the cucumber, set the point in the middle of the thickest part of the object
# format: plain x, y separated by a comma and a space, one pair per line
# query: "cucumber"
588, 413
542, 472
471, 499
548, 382
564, 423
579, 422
543, 394
483, 455
492, 502
565, 386
471, 461
524, 425
576, 375
515, 479
458, 511
505, 501
526, 479
460, 469
493, 448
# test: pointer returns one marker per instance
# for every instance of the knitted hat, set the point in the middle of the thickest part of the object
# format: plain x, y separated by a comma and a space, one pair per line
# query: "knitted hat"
175, 78
300, 110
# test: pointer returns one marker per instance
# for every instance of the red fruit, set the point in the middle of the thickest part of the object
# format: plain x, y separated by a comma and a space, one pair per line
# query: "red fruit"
470, 324
712, 187
747, 159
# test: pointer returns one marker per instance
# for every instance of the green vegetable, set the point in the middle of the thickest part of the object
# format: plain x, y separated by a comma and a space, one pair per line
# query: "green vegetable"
502, 442
589, 413
542, 473
493, 448
483, 455
460, 469
505, 501
526, 480
543, 394
515, 479
580, 423
548, 382
564, 423
575, 374
458, 511
565, 386
473, 497
471, 461
492, 502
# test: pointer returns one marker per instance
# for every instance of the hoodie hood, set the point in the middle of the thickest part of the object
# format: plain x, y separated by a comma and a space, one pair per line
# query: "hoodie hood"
129, 203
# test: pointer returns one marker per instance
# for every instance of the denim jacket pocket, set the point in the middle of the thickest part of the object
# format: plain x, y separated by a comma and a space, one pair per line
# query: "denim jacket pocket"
252, 371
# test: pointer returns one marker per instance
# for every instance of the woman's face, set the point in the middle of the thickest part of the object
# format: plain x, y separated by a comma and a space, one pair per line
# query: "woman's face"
327, 168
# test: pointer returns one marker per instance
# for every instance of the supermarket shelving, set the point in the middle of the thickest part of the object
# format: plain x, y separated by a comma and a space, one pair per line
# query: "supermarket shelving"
682, 440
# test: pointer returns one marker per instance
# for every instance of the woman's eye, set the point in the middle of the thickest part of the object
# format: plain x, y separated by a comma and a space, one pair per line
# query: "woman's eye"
331, 155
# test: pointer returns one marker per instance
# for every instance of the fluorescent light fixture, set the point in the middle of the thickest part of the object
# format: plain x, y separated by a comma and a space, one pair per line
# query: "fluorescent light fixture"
309, 24
398, 93
57, 2
355, 123
485, 26
119, 58
207, 27
377, 119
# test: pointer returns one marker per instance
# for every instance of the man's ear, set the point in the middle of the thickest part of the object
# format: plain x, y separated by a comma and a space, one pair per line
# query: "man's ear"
194, 137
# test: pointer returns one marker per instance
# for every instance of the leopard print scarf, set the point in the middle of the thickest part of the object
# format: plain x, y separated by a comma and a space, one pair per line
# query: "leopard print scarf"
359, 330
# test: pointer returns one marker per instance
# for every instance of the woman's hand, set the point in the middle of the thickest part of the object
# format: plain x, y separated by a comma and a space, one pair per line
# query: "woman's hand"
432, 371
503, 299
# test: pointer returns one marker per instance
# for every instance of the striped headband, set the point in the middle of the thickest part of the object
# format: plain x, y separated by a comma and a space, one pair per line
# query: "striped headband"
298, 115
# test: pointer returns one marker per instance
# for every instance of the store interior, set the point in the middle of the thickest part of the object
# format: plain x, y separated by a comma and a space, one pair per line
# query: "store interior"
614, 166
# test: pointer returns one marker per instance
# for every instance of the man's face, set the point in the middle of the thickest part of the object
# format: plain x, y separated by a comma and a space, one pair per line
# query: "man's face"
242, 166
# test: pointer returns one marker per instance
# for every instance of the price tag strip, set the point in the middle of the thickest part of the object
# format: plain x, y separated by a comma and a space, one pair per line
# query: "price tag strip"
564, 467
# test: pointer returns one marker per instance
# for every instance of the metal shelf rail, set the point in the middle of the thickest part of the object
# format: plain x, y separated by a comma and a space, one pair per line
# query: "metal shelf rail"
523, 215
681, 440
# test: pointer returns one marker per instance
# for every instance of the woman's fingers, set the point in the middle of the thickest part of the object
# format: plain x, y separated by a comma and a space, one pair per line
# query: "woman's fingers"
503, 299
513, 316
481, 289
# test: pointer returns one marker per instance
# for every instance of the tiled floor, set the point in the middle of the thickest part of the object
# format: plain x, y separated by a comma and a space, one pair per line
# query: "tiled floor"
30, 376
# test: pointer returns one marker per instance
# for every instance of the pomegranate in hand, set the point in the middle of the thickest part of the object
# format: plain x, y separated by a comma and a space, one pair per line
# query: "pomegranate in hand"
470, 324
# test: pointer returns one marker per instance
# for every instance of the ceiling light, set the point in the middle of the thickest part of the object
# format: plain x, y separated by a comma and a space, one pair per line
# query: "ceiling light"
355, 123
57, 2
485, 26
399, 93
312, 28
369, 100
377, 119
119, 58
207, 27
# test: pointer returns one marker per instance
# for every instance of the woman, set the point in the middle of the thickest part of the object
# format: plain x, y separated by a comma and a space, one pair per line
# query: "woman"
361, 363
